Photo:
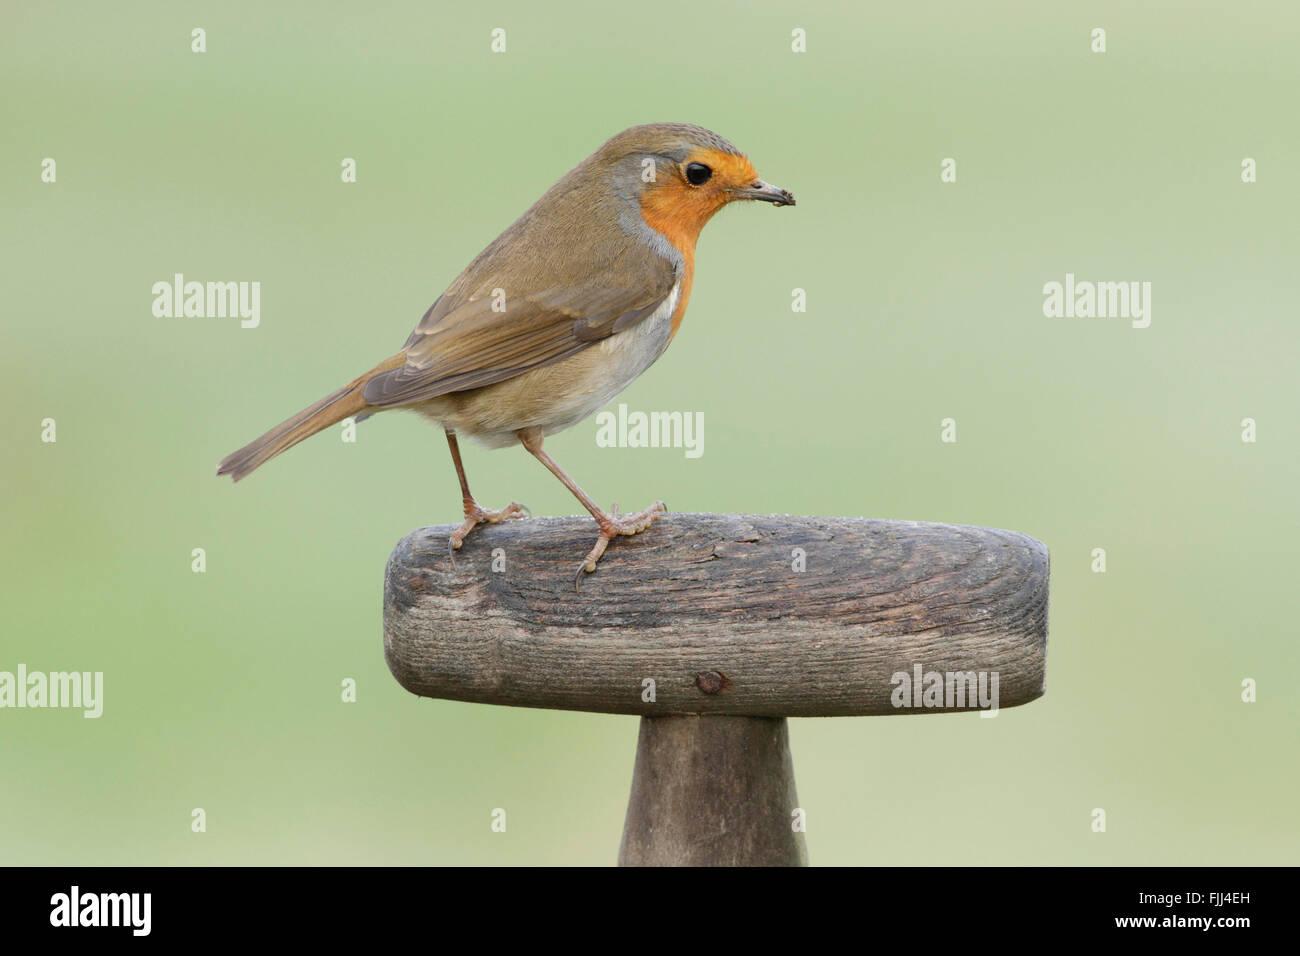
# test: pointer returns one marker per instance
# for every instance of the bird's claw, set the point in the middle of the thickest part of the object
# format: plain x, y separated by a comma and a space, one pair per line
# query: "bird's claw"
613, 525
476, 515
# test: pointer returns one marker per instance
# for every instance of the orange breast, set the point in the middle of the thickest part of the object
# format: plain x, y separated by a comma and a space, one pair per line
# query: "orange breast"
682, 231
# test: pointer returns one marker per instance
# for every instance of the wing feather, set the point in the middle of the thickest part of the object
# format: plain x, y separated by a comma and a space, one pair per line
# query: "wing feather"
462, 343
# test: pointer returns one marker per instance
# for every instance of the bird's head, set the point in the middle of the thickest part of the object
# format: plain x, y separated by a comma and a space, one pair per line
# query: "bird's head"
681, 175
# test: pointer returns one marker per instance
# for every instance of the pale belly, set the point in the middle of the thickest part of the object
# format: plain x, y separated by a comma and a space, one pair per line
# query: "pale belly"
556, 396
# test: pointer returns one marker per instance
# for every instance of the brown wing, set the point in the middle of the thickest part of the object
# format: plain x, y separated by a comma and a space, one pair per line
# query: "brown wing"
462, 343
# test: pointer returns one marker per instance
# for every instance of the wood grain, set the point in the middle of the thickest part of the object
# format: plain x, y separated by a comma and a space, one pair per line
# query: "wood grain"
710, 609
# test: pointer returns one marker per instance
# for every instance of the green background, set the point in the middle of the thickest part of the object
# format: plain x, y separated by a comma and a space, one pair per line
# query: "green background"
924, 302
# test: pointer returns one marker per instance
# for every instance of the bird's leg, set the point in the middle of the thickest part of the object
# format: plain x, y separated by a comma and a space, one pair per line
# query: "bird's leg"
474, 514
610, 525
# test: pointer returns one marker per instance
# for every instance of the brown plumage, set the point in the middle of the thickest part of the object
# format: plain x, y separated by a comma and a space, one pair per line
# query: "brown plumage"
558, 314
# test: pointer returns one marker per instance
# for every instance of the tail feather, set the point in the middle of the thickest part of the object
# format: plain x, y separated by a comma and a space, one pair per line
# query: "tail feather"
333, 408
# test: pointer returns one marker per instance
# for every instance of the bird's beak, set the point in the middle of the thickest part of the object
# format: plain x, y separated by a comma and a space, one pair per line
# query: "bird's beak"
766, 192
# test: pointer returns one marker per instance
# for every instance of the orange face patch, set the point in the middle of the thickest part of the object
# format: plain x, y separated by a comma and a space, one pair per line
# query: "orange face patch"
678, 210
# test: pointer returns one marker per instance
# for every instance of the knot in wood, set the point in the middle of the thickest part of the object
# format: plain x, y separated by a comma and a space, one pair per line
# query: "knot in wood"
709, 682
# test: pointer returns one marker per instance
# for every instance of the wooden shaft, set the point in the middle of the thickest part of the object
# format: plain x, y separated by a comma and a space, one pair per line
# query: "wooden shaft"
713, 791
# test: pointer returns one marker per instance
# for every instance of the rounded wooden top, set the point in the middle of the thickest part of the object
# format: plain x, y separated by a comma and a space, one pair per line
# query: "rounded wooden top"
723, 614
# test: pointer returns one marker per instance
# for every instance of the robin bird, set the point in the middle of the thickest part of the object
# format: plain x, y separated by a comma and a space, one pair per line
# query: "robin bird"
556, 316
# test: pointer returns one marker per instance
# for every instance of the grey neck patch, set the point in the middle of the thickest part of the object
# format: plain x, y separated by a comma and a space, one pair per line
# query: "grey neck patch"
627, 187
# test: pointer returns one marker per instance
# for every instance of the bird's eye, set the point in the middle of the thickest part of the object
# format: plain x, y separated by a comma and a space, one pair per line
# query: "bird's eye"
697, 174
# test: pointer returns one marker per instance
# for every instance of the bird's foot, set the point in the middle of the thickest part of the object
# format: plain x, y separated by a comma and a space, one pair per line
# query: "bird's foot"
476, 515
613, 525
